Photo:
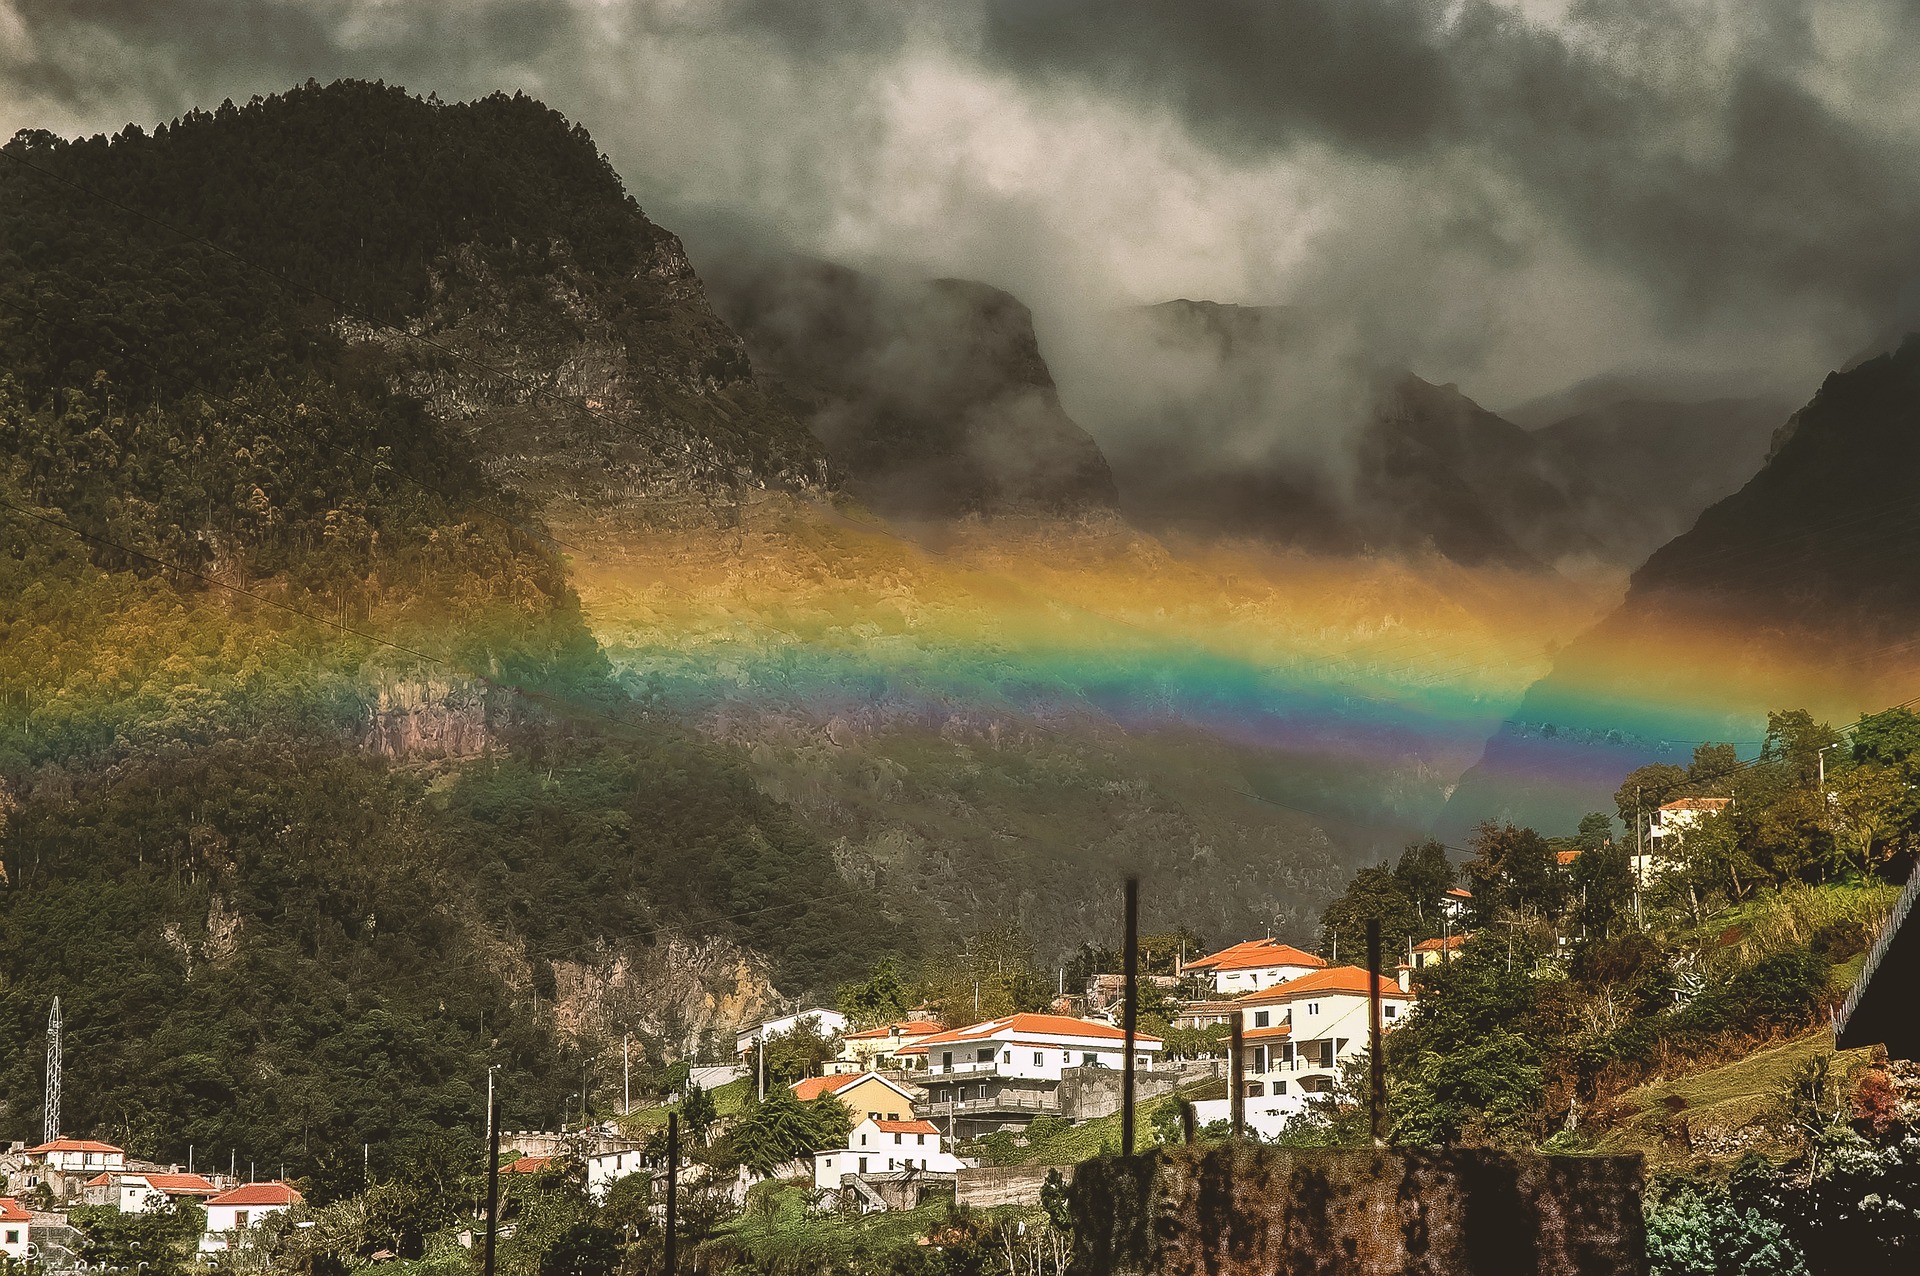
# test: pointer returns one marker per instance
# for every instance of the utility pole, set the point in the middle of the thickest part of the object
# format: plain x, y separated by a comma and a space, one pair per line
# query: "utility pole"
1236, 1073
673, 1188
760, 1049
54, 1070
1377, 1064
626, 1074
1130, 1015
493, 1179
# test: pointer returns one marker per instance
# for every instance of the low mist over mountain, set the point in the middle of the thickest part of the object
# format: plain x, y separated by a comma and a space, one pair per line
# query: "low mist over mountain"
931, 398
1243, 424
1796, 590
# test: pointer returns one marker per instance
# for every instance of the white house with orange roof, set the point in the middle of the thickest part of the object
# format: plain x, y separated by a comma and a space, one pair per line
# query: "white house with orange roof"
232, 1213
880, 1047
1003, 1072
135, 1192
1254, 965
77, 1156
885, 1147
828, 1023
1456, 903
16, 1224
1297, 1033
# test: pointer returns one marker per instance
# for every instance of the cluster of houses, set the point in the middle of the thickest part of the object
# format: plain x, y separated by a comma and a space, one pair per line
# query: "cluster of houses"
88, 1172
915, 1089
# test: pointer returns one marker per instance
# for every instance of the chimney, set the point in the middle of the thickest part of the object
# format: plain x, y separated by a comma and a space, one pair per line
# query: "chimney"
1406, 979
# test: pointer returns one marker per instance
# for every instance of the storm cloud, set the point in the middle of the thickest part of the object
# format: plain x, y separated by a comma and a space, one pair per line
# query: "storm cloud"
1512, 195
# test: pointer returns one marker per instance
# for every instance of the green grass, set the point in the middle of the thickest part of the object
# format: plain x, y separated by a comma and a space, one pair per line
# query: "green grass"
1719, 1113
1102, 1134
729, 1100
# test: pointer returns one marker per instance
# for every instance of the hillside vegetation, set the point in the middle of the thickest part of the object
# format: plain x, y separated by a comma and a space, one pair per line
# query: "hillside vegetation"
316, 794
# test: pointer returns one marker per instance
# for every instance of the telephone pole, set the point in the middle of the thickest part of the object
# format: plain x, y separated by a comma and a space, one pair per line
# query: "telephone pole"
53, 1073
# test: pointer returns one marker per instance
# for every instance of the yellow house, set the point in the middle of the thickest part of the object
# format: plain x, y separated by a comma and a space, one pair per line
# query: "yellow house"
868, 1095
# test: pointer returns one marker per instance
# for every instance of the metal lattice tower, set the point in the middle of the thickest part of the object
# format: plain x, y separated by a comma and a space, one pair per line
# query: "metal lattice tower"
53, 1073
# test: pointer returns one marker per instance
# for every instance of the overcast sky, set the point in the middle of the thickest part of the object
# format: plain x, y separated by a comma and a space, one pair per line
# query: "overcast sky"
1511, 194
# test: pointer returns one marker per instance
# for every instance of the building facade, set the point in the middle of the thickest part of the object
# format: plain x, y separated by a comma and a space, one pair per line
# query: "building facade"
885, 1147
1252, 966
1297, 1034
1000, 1074
231, 1214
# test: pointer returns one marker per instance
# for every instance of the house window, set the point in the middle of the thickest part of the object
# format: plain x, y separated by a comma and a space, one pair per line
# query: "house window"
240, 1216
946, 1060
13, 1236
863, 1165
1140, 1060
1259, 1058
896, 1136
1039, 1059
922, 1138
983, 1056
1279, 1087
863, 1140
983, 1092
1313, 1007
1256, 1089
1389, 1011
1089, 1060
1261, 1018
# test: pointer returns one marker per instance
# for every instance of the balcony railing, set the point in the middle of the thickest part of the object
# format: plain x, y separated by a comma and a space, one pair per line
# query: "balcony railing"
1010, 1102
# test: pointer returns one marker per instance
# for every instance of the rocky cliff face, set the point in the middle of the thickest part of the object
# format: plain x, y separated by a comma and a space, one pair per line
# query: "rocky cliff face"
932, 398
590, 394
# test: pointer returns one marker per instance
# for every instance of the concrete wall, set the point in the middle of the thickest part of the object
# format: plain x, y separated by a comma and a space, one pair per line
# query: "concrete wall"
989, 1185
1246, 1210
1086, 1093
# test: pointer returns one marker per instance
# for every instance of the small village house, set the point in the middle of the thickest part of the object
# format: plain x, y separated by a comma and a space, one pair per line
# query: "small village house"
609, 1166
1667, 826
15, 1226
877, 1048
135, 1193
234, 1212
1002, 1073
1455, 904
865, 1094
1298, 1032
77, 1156
1252, 966
885, 1147
1432, 952
826, 1022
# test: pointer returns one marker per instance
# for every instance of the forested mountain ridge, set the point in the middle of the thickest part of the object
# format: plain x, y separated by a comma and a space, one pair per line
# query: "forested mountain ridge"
484, 253
316, 793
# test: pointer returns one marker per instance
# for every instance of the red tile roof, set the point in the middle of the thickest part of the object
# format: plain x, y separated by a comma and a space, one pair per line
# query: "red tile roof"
908, 1028
72, 1145
1031, 1025
1564, 858
1335, 979
1459, 892
1257, 955
906, 1127
1264, 1034
1697, 804
1441, 945
527, 1165
180, 1185
259, 1194
11, 1211
813, 1087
